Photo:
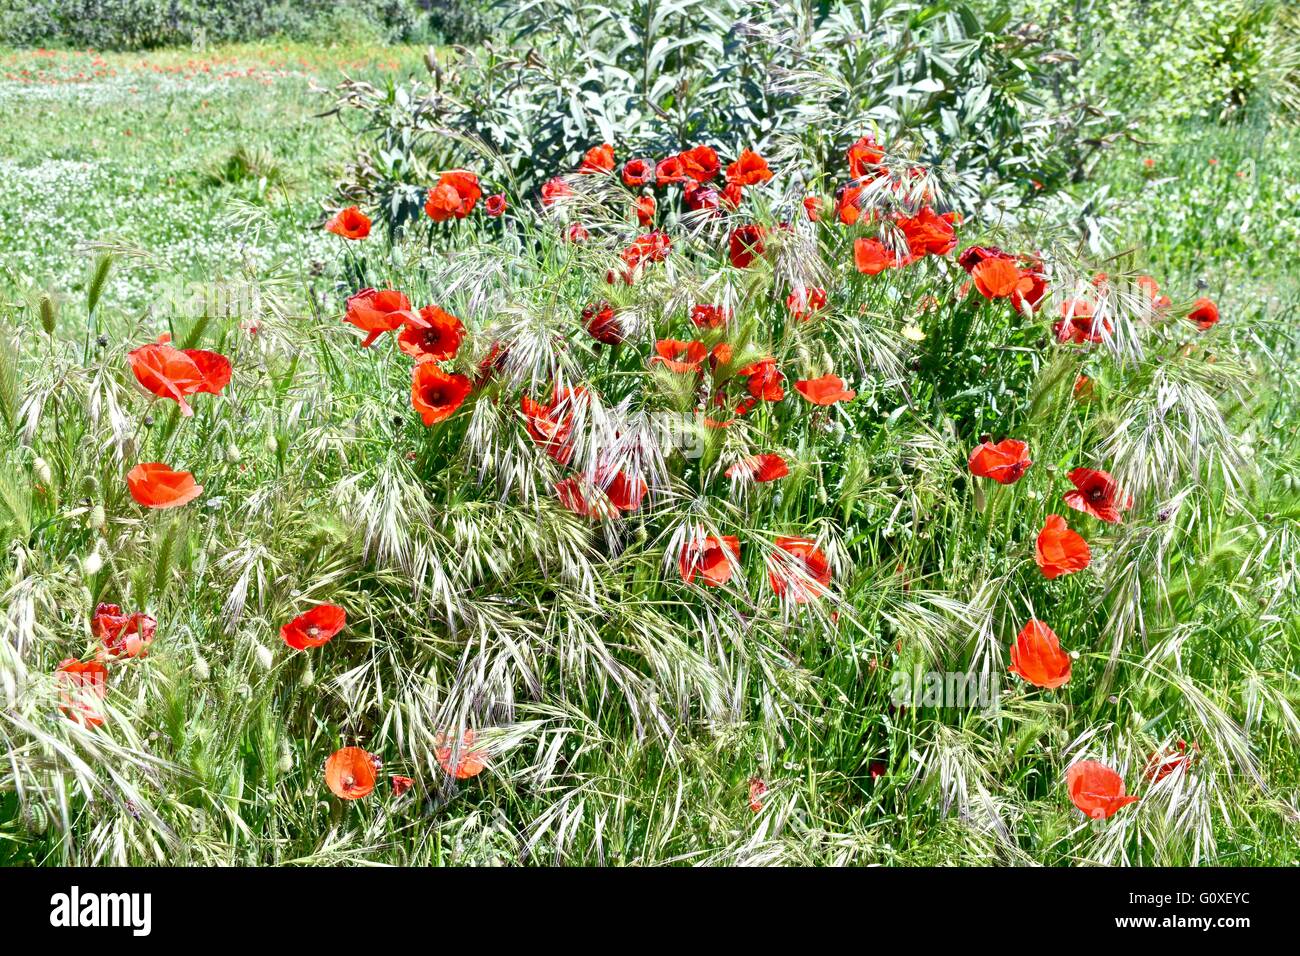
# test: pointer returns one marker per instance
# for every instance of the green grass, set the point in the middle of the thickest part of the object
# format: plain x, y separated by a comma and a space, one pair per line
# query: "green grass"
625, 712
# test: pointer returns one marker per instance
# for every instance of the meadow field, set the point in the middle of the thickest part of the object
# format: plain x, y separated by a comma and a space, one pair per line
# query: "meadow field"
677, 434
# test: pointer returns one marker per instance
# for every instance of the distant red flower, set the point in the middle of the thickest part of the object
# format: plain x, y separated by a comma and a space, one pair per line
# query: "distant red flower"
826, 390
83, 686
747, 244
378, 311
123, 635
1037, 656
464, 764
802, 306
582, 498
645, 210
454, 196
800, 572
439, 338
602, 324
554, 190
928, 233
848, 204
1078, 323
495, 205
436, 394
598, 159
1097, 493
710, 558
1204, 313
1059, 550
812, 207
757, 790
576, 233
759, 468
638, 173
155, 485
732, 194
678, 356
625, 492
315, 627
400, 784
551, 426
1005, 462
749, 169
1162, 764
700, 163
1096, 790
709, 316
172, 373
863, 156
350, 223
699, 196
350, 773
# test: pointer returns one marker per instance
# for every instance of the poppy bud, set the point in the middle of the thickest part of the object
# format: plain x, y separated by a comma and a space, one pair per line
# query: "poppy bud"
265, 657
308, 677
89, 486
41, 469
272, 443
97, 518
201, 669
232, 453
431, 59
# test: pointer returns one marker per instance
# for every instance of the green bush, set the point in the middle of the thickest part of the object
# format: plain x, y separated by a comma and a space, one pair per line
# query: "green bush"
141, 24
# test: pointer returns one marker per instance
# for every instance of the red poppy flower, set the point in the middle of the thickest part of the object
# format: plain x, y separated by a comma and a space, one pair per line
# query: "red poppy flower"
826, 390
671, 170
757, 790
645, 210
350, 773
1161, 765
848, 204
710, 558
171, 373
700, 163
315, 627
1096, 789
82, 688
698, 196
454, 196
598, 159
495, 205
624, 491
1006, 462
378, 311
678, 356
1204, 313
719, 355
155, 485
350, 223
638, 173
749, 170
1059, 550
551, 426
1079, 325
1029, 290
759, 468
554, 190
812, 207
1037, 656
439, 338
972, 256
800, 572
602, 324
764, 380
576, 233
123, 635
928, 233
580, 497
435, 394
709, 316
400, 784
732, 194
802, 306
996, 278
1084, 390
747, 244
1097, 493
864, 156
463, 765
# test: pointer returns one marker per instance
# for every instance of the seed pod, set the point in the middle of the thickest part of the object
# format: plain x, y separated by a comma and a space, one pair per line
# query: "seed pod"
97, 518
